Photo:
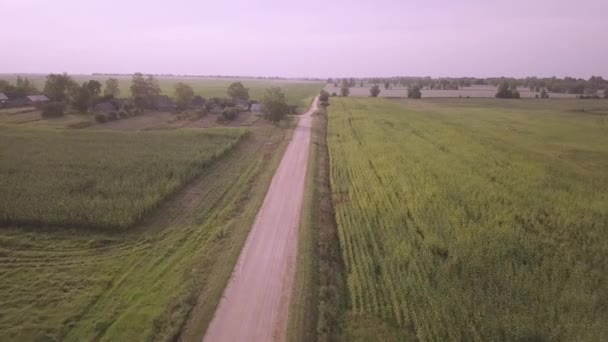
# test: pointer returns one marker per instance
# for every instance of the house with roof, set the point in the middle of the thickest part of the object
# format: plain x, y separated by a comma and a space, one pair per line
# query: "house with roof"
197, 102
30, 100
256, 107
242, 105
3, 99
37, 99
163, 103
104, 107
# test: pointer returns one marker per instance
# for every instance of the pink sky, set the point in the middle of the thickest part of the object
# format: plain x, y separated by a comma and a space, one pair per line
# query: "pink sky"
307, 38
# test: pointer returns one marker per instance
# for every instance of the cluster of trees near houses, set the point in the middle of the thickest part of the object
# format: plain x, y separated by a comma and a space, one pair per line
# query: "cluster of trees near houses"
62, 92
566, 85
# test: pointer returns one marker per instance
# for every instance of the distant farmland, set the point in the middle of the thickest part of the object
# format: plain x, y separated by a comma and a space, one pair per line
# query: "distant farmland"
472, 220
298, 92
474, 92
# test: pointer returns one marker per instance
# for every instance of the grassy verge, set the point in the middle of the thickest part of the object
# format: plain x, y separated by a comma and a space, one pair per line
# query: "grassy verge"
317, 304
208, 297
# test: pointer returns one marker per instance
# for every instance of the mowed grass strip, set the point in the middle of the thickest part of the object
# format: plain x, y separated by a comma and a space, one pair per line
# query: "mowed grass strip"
472, 220
104, 179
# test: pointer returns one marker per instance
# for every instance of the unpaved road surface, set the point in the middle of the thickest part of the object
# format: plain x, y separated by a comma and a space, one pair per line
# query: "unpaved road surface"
255, 303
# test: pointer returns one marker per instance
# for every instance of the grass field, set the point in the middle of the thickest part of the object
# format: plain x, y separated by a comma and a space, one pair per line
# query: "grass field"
155, 281
298, 92
104, 179
472, 220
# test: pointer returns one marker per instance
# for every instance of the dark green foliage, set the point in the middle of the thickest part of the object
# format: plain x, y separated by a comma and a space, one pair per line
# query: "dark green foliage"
183, 95
344, 91
111, 88
230, 113
506, 91
144, 89
323, 96
101, 118
544, 94
374, 91
23, 87
413, 92
589, 97
58, 87
386, 85
274, 105
237, 92
53, 109
85, 95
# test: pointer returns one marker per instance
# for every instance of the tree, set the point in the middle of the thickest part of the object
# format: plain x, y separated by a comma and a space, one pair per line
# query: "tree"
111, 88
544, 94
23, 88
237, 91
507, 92
183, 95
413, 92
58, 87
345, 91
386, 85
374, 91
144, 90
361, 84
274, 105
85, 95
324, 96
503, 91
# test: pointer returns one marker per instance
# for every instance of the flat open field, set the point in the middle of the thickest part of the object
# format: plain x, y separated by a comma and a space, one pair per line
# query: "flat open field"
82, 178
474, 92
298, 92
158, 280
472, 220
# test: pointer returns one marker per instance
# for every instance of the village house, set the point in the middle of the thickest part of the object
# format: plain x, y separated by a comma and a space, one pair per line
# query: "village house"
104, 107
256, 107
30, 100
242, 105
163, 103
3, 99
197, 102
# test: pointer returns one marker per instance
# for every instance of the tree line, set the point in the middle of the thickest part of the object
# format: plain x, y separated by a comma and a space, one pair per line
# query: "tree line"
566, 85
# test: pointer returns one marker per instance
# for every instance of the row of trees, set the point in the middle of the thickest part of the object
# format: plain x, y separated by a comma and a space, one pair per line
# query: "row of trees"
506, 91
22, 87
568, 85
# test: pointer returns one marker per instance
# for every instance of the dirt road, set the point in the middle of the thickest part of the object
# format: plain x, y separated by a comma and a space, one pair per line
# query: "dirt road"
255, 303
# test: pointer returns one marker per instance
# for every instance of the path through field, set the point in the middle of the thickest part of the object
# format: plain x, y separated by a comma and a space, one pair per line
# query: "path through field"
255, 303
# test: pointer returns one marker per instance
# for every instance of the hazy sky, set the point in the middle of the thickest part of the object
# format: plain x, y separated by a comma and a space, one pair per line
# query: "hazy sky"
307, 38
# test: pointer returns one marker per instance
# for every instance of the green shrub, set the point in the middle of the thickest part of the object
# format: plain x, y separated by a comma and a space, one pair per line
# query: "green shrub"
101, 118
53, 109
112, 116
230, 113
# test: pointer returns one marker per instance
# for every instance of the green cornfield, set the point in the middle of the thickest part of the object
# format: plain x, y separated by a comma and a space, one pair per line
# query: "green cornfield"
98, 179
472, 220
